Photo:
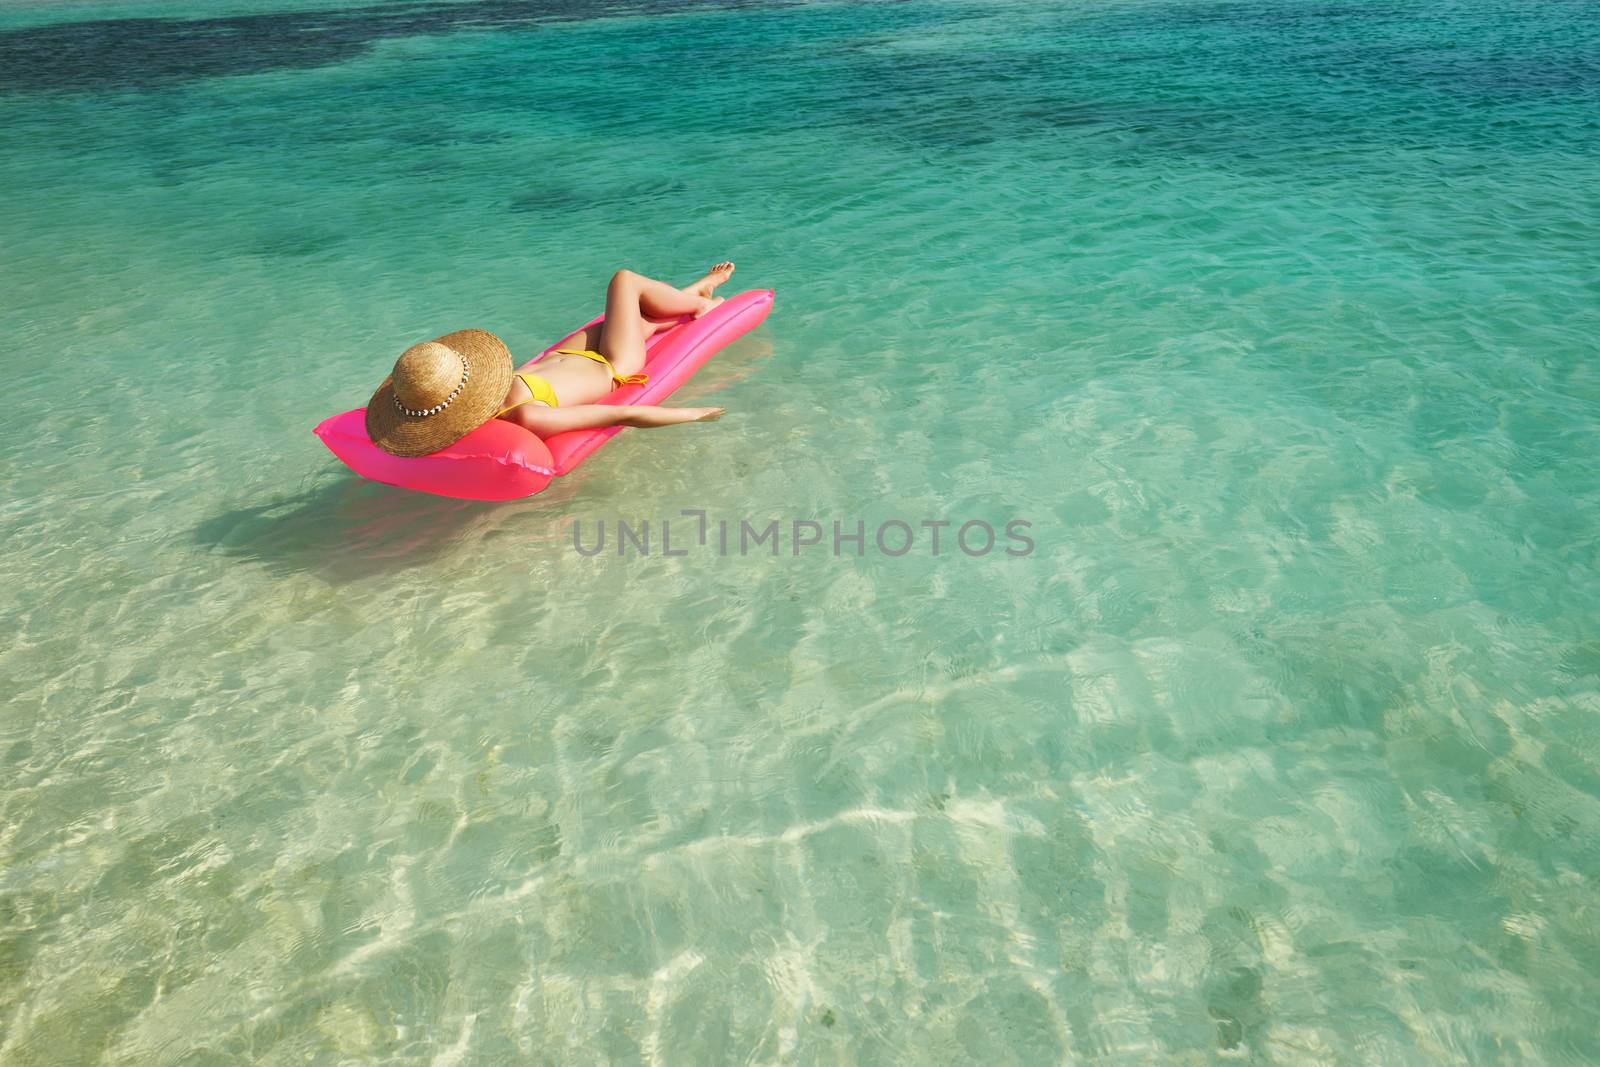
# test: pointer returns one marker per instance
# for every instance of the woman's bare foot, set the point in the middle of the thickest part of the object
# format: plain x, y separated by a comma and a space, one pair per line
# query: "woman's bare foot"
707, 304
714, 277
649, 415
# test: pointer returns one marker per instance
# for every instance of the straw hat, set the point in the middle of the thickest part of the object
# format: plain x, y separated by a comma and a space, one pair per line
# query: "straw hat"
440, 391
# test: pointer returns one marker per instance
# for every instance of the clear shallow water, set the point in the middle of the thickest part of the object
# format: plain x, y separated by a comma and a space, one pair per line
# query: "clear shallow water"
1276, 320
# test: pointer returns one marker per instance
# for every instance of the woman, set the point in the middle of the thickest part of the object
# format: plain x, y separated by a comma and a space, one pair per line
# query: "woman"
442, 390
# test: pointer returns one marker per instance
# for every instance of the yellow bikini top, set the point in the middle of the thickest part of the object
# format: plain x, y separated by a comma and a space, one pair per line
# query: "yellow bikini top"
538, 387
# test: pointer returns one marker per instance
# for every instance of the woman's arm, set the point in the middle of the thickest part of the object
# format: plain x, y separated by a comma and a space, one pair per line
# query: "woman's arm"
547, 422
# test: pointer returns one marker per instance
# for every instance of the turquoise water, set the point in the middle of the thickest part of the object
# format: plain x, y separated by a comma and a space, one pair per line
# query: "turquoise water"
1276, 320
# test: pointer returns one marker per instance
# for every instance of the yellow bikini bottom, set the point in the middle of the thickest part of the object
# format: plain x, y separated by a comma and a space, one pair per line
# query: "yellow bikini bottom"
544, 394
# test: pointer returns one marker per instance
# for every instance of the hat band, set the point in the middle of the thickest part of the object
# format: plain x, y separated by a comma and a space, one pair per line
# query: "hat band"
443, 403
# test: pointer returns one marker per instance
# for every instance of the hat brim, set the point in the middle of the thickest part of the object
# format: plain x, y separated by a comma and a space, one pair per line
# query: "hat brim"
488, 377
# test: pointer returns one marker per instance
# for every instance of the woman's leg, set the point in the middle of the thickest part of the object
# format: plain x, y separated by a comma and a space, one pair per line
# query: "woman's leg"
629, 298
633, 301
